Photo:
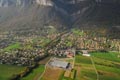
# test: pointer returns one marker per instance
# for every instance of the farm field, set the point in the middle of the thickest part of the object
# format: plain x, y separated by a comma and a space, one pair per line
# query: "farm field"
101, 65
52, 74
35, 74
85, 69
107, 66
7, 71
68, 75
55, 73
111, 56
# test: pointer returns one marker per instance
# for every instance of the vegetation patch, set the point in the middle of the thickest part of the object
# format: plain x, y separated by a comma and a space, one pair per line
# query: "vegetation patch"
85, 69
14, 46
112, 56
35, 74
82, 59
7, 71
107, 65
68, 75
52, 73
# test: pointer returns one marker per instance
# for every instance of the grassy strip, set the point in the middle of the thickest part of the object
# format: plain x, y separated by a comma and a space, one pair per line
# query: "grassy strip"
111, 56
73, 74
13, 46
82, 59
7, 71
107, 65
62, 75
86, 71
35, 73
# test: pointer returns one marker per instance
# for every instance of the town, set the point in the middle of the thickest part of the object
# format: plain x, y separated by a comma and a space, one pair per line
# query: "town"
61, 48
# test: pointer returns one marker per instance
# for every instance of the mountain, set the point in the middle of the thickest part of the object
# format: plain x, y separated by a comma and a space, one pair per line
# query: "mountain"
25, 15
15, 14
100, 16
104, 18
32, 15
7, 3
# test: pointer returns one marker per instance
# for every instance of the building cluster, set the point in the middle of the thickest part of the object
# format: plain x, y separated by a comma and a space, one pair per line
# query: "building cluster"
62, 52
5, 42
21, 57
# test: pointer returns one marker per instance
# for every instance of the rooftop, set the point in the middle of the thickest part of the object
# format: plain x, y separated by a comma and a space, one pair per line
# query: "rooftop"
58, 63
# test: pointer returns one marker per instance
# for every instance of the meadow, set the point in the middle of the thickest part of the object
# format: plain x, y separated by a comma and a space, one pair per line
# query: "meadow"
35, 74
7, 71
111, 56
107, 65
14, 46
85, 69
104, 66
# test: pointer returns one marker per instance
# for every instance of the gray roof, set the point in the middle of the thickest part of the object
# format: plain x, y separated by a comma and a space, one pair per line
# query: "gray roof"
58, 63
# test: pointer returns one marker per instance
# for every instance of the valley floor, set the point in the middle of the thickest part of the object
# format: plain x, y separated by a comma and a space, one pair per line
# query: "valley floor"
7, 71
99, 66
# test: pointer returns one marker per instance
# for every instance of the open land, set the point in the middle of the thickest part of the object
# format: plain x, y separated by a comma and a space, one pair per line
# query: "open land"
7, 71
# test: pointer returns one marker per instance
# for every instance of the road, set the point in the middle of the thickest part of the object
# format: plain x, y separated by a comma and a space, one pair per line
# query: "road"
94, 68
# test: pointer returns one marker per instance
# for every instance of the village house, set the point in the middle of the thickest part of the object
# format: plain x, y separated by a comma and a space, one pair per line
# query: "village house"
70, 53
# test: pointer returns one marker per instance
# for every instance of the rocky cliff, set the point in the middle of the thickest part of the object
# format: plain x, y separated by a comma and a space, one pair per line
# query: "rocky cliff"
62, 14
108, 1
13, 12
6, 3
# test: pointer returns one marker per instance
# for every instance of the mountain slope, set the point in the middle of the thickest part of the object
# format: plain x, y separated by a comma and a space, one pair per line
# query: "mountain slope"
29, 18
33, 15
103, 17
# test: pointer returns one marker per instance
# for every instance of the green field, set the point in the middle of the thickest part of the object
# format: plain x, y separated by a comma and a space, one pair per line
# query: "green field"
111, 56
35, 74
84, 67
7, 71
13, 46
107, 65
83, 60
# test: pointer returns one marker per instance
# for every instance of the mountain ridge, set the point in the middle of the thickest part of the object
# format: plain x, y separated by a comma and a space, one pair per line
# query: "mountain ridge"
62, 14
